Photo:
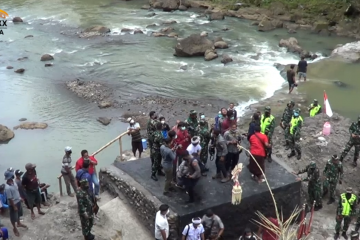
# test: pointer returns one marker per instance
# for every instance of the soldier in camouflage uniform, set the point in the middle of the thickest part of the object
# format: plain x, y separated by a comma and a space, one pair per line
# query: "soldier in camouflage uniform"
354, 141
285, 122
295, 128
314, 187
267, 125
345, 210
150, 130
156, 155
192, 123
205, 137
85, 209
333, 174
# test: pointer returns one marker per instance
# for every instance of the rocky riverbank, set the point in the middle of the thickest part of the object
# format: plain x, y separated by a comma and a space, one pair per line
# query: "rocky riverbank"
331, 19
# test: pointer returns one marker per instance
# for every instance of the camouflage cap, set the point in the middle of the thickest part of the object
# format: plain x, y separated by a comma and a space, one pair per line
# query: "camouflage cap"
267, 109
315, 100
312, 164
335, 157
292, 103
349, 189
192, 111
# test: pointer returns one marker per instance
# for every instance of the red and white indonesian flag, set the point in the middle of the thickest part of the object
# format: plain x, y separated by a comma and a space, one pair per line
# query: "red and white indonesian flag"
327, 107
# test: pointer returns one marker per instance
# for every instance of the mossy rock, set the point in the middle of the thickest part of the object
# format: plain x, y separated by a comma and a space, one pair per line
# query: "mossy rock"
319, 26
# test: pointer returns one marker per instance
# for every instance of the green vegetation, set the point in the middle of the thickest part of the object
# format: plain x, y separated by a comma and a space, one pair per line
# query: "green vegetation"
328, 9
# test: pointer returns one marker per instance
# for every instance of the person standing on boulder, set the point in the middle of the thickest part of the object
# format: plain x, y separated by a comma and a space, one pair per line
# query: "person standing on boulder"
314, 186
354, 141
295, 127
302, 68
85, 209
291, 78
150, 130
285, 122
333, 174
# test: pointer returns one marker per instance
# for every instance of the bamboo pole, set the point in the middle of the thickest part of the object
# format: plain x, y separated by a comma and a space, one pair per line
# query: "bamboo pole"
120, 144
109, 143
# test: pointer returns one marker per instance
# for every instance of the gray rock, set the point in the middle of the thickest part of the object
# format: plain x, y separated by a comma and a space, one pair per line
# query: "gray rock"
28, 36
20, 70
46, 57
9, 67
22, 119
5, 134
216, 16
184, 67
17, 20
210, 54
194, 45
349, 52
221, 45
226, 59
48, 64
104, 120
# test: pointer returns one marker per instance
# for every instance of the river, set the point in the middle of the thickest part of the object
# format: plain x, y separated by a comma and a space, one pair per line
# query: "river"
140, 64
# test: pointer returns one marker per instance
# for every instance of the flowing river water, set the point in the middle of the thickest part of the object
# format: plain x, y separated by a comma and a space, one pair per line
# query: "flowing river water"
139, 64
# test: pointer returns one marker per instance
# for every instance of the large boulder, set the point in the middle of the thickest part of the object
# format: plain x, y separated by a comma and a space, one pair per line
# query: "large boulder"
216, 16
267, 24
349, 52
5, 134
166, 5
31, 125
194, 45
291, 44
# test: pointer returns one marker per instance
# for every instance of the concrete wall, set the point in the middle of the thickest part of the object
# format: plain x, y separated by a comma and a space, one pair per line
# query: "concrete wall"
145, 205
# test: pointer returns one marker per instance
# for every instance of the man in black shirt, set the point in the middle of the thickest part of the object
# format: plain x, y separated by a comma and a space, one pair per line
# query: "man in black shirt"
291, 78
301, 69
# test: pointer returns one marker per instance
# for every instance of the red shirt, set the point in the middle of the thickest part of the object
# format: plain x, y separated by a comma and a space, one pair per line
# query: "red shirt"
256, 146
183, 138
267, 234
80, 162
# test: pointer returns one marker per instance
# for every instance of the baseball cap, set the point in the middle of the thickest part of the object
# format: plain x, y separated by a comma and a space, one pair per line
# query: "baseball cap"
8, 175
18, 172
30, 166
67, 149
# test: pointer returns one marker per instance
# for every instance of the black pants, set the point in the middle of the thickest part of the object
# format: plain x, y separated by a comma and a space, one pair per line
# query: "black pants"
232, 160
189, 186
221, 166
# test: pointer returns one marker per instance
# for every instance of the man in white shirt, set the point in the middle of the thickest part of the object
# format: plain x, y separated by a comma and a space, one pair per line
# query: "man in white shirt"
194, 230
161, 223
194, 148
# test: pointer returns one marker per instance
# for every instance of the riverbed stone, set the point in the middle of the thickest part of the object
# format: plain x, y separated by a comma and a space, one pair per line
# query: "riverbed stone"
31, 125
46, 57
172, 35
158, 34
5, 134
146, 7
216, 16
291, 44
104, 104
104, 120
210, 54
48, 65
221, 45
182, 8
138, 31
17, 20
194, 45
167, 30
22, 119
20, 70
226, 59
165, 5
349, 52
98, 29
29, 36
9, 67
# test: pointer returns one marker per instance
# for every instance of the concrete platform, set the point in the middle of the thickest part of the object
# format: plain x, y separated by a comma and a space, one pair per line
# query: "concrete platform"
217, 196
